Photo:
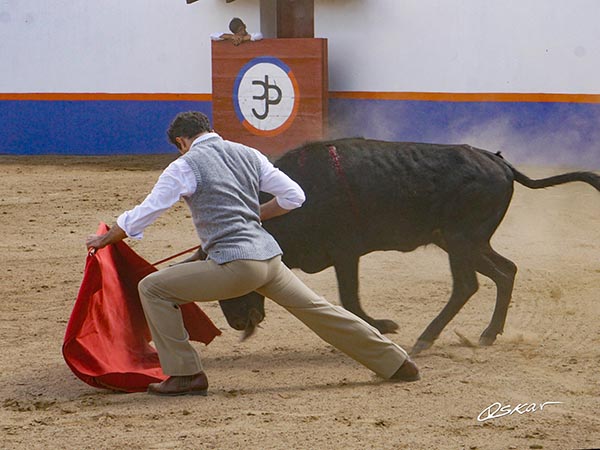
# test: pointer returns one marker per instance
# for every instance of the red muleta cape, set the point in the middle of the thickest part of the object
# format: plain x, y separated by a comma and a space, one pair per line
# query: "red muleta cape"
107, 339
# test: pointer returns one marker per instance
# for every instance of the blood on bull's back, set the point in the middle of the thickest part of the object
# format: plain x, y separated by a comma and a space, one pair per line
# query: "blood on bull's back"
377, 195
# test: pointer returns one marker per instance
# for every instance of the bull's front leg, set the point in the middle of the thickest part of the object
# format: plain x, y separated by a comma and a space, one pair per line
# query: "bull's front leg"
346, 269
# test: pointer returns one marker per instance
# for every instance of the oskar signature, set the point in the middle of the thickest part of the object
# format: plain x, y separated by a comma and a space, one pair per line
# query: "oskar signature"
497, 409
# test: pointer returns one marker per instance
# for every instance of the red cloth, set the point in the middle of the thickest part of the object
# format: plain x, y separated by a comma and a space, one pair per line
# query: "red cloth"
107, 339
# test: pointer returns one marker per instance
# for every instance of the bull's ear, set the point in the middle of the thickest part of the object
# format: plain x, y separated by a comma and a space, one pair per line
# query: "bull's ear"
254, 320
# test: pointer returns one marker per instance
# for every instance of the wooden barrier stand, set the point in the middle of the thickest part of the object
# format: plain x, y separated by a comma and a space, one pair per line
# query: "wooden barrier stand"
270, 94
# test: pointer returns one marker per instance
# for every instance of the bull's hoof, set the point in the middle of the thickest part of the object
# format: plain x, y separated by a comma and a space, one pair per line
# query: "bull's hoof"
420, 346
385, 326
486, 341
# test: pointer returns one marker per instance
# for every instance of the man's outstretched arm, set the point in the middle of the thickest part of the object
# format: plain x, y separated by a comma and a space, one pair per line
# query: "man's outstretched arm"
114, 235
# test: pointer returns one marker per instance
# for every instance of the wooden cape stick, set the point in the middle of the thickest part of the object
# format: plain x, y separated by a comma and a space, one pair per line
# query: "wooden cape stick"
175, 256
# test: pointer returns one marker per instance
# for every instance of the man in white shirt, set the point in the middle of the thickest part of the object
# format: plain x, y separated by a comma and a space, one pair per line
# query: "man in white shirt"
238, 33
220, 181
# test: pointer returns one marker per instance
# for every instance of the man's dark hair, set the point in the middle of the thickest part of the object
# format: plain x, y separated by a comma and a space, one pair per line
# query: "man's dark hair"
235, 24
188, 124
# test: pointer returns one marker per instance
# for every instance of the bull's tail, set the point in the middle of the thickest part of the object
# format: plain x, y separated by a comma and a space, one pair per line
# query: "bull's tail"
587, 177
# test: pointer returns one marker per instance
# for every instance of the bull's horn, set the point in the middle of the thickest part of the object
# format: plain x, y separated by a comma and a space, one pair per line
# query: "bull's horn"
254, 318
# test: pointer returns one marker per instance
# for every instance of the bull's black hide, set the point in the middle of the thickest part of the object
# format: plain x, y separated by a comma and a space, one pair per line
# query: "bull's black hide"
365, 195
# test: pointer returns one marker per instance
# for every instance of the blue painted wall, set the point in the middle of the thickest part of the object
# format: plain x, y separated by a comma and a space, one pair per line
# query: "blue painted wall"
89, 127
526, 132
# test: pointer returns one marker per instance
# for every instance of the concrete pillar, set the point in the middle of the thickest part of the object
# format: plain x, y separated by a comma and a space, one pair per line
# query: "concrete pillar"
268, 18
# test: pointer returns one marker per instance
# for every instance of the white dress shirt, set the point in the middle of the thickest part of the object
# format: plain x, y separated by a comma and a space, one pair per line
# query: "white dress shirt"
253, 36
178, 180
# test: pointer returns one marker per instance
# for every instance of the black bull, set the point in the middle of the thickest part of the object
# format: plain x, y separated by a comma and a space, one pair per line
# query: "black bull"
365, 195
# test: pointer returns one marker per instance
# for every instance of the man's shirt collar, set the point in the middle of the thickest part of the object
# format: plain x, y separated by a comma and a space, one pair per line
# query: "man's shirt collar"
205, 137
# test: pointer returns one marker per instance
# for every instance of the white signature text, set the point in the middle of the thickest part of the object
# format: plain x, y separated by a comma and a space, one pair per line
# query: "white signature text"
496, 410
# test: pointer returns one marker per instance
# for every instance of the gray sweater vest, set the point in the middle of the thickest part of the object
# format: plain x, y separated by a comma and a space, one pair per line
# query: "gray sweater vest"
225, 207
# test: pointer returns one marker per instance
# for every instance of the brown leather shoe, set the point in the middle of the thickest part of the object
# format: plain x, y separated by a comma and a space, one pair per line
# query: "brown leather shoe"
181, 385
408, 371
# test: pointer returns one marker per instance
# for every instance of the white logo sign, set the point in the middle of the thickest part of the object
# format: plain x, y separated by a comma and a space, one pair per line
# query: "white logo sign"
265, 96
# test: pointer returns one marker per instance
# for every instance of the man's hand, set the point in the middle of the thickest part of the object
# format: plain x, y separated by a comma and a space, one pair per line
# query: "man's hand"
97, 241
271, 209
237, 39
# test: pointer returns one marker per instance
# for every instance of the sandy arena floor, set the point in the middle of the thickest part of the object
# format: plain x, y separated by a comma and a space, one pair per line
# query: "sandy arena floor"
285, 388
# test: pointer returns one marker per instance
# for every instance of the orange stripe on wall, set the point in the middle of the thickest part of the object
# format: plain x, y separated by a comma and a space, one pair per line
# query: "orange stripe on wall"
468, 97
351, 95
99, 96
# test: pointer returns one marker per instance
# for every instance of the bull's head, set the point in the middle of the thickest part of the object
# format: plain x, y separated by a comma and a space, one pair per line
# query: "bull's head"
244, 313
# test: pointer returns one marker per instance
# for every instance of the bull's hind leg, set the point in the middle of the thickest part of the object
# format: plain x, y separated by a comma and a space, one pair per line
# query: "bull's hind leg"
502, 272
346, 270
464, 286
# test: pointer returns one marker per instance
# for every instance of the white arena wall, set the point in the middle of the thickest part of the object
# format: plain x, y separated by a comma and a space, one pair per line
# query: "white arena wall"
516, 76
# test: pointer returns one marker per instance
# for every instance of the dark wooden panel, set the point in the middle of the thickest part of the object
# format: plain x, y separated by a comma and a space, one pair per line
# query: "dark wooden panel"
295, 18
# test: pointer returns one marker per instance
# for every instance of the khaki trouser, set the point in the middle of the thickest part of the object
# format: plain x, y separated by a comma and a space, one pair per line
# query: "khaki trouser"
202, 281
